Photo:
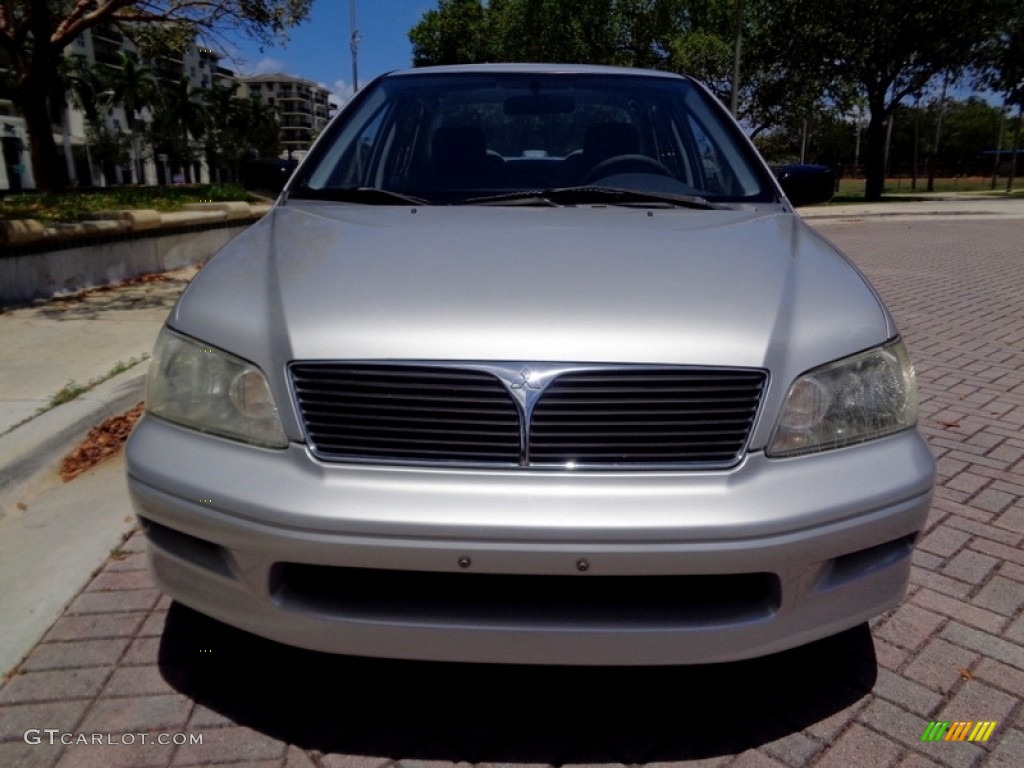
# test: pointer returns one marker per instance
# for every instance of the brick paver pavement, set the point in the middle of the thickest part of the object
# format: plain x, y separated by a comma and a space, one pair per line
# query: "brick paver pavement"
126, 666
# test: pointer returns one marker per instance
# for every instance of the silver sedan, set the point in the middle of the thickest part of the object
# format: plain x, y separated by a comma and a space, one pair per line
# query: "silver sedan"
533, 364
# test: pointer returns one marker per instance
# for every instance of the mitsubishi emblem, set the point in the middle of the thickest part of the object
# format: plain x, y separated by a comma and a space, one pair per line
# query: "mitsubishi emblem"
527, 378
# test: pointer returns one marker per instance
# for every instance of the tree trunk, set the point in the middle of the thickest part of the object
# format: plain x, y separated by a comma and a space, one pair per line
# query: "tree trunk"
46, 166
1016, 146
35, 82
874, 154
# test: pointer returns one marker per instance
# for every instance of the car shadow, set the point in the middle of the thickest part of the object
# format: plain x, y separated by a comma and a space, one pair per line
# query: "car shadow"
506, 714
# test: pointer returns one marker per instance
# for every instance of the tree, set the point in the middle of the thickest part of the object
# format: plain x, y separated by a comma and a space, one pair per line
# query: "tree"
34, 34
1002, 62
550, 30
259, 124
969, 127
826, 139
87, 88
453, 34
179, 118
694, 37
237, 129
882, 50
220, 139
802, 59
134, 87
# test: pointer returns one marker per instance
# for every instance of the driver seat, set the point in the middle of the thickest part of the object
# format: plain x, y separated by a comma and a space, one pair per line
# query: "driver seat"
602, 141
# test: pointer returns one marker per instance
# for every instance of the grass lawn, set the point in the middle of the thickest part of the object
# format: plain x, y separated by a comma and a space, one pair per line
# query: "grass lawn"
852, 190
75, 206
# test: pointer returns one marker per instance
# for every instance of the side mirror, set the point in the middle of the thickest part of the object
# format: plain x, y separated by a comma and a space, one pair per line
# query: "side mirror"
806, 184
268, 174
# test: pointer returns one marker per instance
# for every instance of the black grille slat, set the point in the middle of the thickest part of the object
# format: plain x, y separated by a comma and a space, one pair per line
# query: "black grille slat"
600, 417
470, 416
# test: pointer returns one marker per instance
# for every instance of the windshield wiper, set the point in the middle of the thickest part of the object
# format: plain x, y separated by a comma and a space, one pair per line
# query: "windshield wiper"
366, 195
592, 194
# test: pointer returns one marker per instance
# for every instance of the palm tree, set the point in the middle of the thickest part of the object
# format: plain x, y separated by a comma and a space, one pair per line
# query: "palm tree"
261, 128
135, 89
89, 89
222, 135
240, 129
179, 117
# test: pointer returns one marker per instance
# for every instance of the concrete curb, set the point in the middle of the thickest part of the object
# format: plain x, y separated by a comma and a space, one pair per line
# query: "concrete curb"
27, 449
21, 232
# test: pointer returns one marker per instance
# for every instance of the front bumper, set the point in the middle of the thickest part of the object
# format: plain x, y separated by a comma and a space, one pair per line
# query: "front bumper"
530, 567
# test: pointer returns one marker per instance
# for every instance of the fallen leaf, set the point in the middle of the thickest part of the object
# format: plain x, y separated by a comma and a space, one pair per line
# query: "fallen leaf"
949, 424
21, 506
966, 674
102, 442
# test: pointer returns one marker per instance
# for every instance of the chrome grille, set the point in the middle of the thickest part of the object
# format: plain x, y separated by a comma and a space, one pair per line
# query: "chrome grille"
473, 414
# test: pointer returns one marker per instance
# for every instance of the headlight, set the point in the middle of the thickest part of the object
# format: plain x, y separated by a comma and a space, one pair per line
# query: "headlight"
859, 398
212, 391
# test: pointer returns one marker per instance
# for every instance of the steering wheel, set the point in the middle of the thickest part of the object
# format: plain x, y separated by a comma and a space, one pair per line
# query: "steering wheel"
625, 164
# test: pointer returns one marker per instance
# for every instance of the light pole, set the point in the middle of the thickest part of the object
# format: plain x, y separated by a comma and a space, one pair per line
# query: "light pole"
999, 144
101, 113
734, 102
934, 158
888, 143
1013, 151
65, 131
354, 44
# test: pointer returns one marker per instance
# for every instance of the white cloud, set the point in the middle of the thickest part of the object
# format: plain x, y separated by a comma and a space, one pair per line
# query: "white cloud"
341, 92
268, 66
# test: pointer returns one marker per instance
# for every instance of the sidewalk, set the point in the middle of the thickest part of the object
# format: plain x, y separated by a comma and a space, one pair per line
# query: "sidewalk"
53, 349
938, 205
52, 538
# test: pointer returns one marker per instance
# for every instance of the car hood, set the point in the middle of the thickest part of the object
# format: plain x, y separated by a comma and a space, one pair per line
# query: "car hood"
318, 280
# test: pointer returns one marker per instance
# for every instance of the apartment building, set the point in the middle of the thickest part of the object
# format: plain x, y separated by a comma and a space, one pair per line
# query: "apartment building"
15, 163
302, 106
102, 45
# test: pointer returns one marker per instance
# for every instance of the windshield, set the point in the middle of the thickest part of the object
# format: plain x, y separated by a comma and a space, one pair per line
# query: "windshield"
466, 137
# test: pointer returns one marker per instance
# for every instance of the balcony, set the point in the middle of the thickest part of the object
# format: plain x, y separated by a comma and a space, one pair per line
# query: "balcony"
106, 33
106, 55
167, 71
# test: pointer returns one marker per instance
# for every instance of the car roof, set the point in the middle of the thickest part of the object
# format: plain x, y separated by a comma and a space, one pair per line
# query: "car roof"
590, 69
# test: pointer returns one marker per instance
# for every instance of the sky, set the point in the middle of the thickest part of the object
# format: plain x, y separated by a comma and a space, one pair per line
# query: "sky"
318, 49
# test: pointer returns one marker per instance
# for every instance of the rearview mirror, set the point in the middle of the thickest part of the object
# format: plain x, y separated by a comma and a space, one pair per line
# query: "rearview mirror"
539, 104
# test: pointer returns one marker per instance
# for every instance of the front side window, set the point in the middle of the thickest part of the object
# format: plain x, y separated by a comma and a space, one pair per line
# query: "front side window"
451, 138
